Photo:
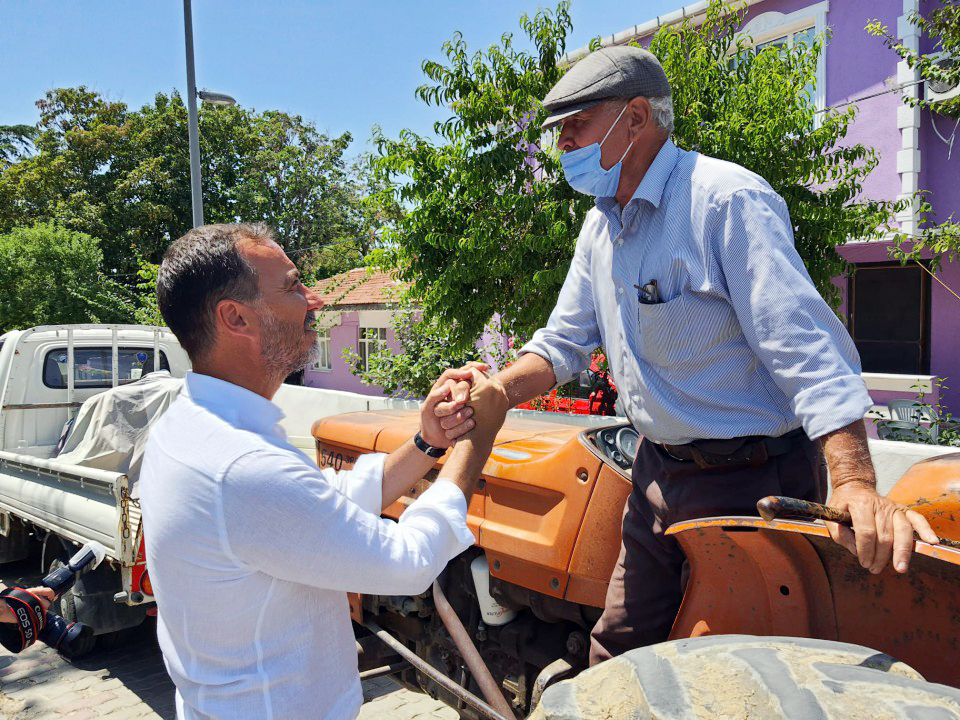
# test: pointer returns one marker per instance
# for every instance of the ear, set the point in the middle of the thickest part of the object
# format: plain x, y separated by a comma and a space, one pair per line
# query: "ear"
235, 320
639, 116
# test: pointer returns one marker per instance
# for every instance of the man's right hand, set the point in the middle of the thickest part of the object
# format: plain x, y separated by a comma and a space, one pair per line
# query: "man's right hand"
490, 403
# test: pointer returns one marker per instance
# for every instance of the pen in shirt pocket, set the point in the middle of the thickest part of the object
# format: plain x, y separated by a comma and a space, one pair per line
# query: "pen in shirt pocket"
648, 294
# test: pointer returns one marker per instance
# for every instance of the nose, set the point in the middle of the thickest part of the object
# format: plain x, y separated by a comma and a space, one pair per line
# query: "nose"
314, 301
565, 142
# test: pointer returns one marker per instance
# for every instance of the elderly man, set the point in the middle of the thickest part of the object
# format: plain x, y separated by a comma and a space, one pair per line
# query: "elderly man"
728, 361
251, 547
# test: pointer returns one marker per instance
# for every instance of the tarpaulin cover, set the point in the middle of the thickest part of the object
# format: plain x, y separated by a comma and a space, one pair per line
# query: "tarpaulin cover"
110, 432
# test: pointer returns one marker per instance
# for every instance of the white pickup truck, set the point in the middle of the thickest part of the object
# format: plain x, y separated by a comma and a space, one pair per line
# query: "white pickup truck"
76, 404
56, 490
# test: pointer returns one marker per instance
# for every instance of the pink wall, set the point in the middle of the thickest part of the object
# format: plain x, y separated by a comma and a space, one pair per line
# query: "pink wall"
346, 334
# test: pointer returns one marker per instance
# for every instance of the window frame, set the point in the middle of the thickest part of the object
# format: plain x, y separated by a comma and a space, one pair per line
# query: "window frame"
106, 350
323, 339
926, 289
770, 26
364, 344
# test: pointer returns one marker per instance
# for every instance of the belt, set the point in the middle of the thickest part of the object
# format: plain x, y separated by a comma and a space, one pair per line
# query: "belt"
749, 450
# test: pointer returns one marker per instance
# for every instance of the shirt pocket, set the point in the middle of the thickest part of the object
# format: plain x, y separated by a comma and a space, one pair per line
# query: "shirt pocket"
665, 337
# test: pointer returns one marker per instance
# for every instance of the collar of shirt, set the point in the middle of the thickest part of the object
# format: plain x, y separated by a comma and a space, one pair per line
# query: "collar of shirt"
652, 185
238, 406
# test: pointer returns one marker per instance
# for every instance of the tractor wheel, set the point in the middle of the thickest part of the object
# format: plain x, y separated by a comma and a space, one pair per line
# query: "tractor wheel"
742, 676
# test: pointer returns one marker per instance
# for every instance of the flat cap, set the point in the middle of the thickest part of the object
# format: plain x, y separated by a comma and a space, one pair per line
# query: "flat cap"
613, 72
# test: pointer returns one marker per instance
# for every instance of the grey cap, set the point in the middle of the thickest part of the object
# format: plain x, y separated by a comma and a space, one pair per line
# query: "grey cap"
613, 72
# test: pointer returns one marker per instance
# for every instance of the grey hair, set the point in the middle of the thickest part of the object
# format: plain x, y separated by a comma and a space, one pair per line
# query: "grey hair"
662, 108
662, 112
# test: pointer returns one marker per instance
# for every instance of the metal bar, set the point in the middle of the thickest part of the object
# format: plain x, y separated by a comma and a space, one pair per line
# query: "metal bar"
193, 128
156, 349
41, 406
114, 358
487, 712
390, 669
481, 673
71, 370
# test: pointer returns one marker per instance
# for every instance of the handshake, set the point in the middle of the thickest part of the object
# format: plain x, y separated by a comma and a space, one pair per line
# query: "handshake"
464, 404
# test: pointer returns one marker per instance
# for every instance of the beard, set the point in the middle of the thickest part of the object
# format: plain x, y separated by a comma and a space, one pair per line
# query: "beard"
281, 344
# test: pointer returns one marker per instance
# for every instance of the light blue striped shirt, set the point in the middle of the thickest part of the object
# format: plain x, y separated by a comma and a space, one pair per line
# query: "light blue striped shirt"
741, 344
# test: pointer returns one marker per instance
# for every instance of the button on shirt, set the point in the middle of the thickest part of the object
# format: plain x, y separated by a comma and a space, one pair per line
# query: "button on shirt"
739, 342
251, 549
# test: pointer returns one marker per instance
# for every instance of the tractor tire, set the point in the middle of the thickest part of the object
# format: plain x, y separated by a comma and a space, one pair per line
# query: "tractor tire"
742, 676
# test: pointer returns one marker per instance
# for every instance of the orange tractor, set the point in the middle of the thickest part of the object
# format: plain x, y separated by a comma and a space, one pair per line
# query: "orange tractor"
512, 616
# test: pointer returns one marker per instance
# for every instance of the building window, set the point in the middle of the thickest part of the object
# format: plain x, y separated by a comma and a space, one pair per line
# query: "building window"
372, 341
889, 318
93, 367
775, 28
324, 362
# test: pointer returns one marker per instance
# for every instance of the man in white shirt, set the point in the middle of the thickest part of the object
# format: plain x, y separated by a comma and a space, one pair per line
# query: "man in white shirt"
251, 548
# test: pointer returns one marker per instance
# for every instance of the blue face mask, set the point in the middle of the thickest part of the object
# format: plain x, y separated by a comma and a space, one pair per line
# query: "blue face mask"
584, 173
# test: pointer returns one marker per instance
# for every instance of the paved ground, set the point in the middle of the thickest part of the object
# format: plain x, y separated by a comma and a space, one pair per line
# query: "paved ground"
129, 681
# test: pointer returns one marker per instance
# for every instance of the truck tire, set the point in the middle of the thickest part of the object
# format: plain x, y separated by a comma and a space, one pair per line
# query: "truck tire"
742, 676
65, 607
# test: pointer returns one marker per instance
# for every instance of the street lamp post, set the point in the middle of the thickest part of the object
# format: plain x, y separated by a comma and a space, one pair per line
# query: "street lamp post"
196, 191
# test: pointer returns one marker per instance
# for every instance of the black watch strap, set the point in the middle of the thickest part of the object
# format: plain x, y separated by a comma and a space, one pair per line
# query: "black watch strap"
430, 450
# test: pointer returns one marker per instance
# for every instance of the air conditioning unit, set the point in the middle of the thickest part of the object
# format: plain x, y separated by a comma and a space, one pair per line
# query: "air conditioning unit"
938, 91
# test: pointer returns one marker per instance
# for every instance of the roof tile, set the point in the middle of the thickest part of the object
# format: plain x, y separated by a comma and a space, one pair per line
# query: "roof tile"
359, 287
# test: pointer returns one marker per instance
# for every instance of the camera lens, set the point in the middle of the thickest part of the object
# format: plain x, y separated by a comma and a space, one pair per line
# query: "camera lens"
68, 639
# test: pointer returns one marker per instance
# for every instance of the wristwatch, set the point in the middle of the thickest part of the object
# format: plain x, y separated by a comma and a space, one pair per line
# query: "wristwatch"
430, 450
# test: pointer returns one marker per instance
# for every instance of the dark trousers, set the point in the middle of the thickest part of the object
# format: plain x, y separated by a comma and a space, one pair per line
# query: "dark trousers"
647, 584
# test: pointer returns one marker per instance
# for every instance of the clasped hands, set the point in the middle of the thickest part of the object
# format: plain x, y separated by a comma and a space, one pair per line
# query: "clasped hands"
463, 403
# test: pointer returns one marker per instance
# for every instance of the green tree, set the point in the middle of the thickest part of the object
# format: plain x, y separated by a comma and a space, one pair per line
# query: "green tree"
490, 225
941, 66
124, 176
15, 142
942, 24
53, 275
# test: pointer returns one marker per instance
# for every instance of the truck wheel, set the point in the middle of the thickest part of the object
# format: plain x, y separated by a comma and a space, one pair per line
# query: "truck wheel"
65, 607
742, 676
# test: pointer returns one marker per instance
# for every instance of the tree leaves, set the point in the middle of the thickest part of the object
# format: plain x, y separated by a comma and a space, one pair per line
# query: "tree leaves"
490, 225
123, 176
52, 275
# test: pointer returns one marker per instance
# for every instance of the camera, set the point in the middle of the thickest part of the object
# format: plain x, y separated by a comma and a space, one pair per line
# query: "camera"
32, 623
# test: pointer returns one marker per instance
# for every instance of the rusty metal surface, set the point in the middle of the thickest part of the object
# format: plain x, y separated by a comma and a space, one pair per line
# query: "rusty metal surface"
739, 566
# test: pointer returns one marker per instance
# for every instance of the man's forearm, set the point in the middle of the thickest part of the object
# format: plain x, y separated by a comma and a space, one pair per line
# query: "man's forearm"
403, 468
529, 376
848, 455
465, 464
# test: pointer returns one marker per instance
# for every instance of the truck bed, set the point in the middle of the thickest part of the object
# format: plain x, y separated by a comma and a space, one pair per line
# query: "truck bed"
78, 503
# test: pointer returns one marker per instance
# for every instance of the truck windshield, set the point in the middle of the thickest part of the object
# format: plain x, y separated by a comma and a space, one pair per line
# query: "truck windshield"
93, 366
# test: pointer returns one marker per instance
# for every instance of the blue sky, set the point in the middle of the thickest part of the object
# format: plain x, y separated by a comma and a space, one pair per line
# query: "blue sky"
344, 65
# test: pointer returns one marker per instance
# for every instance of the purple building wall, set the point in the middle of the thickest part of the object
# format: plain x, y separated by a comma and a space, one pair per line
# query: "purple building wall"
857, 65
345, 335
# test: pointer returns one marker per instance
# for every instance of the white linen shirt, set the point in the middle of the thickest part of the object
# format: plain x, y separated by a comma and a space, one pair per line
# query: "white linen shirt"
251, 549
741, 342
